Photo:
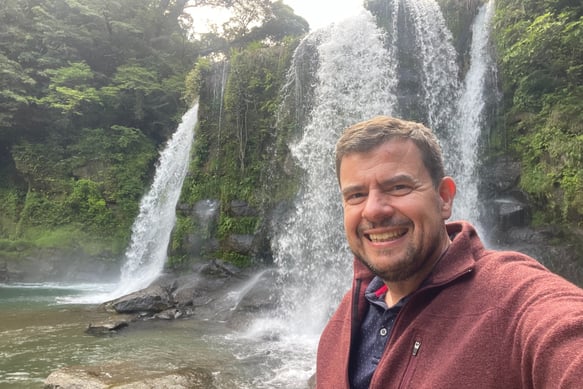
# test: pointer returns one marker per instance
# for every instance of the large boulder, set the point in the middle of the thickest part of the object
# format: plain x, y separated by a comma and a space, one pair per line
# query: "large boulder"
214, 289
505, 205
155, 298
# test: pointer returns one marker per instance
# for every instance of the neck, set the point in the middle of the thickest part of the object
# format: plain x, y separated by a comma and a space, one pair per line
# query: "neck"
399, 289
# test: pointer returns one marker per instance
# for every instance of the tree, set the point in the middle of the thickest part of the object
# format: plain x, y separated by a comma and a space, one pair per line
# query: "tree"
247, 21
88, 92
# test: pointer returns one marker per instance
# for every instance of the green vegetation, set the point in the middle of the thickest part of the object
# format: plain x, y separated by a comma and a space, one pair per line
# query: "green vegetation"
541, 69
238, 144
89, 91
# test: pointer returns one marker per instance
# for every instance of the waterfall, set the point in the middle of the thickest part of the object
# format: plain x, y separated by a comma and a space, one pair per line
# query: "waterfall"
146, 254
437, 57
355, 79
470, 118
341, 75
151, 230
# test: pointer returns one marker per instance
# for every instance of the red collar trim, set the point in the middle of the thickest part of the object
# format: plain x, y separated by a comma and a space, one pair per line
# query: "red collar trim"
380, 291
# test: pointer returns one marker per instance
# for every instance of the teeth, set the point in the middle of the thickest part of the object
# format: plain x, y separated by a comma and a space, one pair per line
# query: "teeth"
386, 236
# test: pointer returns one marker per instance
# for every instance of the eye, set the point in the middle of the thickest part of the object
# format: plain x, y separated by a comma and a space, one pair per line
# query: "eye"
354, 198
400, 190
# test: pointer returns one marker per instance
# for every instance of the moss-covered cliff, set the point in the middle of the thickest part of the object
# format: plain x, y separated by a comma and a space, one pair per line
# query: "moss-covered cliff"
239, 152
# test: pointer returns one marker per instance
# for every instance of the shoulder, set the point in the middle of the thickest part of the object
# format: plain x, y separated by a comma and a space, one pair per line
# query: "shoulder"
525, 289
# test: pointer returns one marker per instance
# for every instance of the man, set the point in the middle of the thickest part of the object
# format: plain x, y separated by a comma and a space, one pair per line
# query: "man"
429, 306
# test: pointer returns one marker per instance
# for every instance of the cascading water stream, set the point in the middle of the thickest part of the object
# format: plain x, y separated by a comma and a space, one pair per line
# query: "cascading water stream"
151, 231
437, 57
355, 80
470, 118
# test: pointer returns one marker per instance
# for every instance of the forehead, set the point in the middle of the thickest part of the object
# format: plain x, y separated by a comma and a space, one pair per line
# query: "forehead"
395, 156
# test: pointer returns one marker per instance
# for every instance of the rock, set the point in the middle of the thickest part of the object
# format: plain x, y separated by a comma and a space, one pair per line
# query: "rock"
217, 269
242, 208
69, 378
170, 314
499, 175
507, 212
128, 376
153, 299
201, 238
239, 243
505, 205
107, 327
260, 296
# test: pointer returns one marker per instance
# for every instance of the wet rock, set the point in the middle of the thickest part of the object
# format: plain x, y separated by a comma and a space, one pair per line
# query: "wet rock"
242, 208
154, 299
107, 327
240, 243
261, 295
217, 269
508, 212
128, 376
204, 215
172, 314
499, 175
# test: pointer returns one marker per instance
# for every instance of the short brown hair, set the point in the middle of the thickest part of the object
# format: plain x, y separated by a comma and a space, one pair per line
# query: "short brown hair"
365, 136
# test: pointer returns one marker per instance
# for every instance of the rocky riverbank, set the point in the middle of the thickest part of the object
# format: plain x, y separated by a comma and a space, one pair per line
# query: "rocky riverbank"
214, 291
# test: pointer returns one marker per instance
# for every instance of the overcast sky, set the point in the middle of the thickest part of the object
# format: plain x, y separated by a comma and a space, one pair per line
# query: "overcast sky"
320, 13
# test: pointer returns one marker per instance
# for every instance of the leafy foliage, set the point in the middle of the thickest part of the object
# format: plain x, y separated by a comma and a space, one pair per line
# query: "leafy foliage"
236, 128
541, 64
89, 90
247, 21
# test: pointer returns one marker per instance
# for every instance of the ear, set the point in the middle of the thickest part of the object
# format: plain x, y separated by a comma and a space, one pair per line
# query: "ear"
447, 189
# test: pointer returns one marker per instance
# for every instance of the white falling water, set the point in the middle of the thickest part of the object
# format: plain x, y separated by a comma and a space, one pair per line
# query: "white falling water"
438, 61
355, 81
146, 254
470, 117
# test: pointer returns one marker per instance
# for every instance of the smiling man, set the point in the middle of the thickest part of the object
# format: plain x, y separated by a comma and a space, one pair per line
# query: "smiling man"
429, 306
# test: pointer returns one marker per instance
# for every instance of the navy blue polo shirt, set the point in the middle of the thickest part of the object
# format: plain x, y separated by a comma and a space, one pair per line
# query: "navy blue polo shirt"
373, 335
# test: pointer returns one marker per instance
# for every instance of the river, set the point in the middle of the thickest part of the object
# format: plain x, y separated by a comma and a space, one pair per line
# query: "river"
38, 335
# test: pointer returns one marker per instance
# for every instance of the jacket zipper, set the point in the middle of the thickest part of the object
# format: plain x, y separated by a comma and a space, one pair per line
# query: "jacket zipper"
416, 347
411, 365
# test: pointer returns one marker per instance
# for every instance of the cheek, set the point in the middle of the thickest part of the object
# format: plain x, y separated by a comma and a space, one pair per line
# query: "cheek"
351, 218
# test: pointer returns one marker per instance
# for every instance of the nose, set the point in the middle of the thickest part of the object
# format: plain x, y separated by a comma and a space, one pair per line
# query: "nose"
377, 206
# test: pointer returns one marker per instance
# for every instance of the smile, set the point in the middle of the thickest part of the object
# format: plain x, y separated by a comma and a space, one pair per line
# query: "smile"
386, 236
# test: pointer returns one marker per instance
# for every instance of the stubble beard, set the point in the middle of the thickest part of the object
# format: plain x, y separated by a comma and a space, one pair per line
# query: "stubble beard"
407, 265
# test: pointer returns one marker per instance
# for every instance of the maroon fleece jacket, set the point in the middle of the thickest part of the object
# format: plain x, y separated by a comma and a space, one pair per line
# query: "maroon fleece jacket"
483, 319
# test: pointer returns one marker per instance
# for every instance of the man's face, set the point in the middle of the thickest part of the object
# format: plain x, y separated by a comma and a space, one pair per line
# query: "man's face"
393, 214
